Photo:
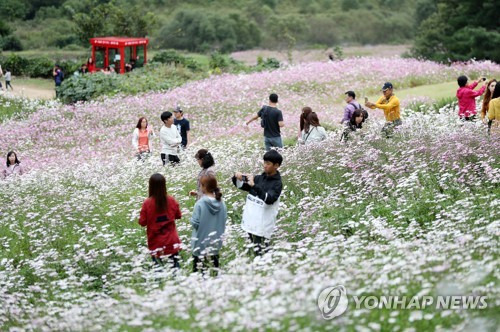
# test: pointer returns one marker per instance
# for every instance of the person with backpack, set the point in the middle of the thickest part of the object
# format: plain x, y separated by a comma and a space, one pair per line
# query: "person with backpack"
352, 105
271, 119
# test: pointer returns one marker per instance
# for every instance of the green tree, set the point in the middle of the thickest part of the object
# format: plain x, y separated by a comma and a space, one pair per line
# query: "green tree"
108, 19
460, 30
201, 30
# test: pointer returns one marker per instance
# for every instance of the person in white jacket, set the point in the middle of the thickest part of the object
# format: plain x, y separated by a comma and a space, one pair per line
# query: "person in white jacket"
312, 132
170, 140
142, 139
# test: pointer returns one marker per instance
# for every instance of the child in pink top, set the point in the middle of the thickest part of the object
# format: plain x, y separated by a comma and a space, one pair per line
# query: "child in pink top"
467, 97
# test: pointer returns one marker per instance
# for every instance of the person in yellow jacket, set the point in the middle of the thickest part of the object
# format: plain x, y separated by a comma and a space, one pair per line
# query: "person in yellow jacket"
494, 110
389, 103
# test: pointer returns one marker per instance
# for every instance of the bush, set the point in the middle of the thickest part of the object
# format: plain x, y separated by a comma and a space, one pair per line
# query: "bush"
173, 57
153, 77
201, 31
36, 67
269, 63
10, 43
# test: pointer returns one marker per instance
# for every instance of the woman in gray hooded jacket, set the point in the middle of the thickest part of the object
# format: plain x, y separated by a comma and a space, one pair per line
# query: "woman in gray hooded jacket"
209, 223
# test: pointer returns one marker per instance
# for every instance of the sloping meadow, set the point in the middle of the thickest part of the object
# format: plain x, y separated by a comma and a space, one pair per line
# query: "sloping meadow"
413, 215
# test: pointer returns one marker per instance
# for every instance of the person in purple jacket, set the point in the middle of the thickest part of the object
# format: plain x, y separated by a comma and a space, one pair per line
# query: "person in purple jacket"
352, 105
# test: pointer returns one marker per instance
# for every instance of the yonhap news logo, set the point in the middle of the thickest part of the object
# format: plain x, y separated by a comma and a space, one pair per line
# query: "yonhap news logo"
333, 301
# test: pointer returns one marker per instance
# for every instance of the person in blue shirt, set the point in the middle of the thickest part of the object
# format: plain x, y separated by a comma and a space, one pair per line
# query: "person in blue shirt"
209, 223
182, 125
58, 77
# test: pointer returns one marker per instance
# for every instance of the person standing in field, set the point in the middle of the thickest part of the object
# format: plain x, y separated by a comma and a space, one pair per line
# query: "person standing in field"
389, 103
271, 119
1, 74
142, 139
158, 214
207, 164
170, 140
352, 105
490, 87
494, 110
58, 77
467, 97
182, 125
209, 223
261, 207
8, 78
314, 132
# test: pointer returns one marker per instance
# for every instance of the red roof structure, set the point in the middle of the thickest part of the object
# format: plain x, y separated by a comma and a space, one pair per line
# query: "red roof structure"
118, 51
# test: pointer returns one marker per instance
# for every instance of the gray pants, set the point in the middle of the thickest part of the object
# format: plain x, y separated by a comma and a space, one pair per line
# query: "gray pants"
273, 142
389, 127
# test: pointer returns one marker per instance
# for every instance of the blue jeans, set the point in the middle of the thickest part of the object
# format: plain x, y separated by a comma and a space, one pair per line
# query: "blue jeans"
271, 142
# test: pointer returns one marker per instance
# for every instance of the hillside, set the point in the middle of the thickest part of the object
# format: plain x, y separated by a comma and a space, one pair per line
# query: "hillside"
220, 24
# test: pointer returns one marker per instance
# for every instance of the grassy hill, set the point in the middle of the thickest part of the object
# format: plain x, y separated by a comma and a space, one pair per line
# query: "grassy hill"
209, 25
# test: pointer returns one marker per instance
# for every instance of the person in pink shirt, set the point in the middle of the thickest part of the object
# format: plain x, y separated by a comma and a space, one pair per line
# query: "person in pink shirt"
466, 96
13, 166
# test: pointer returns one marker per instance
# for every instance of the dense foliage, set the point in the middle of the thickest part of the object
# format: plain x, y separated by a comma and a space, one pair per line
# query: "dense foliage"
459, 30
220, 25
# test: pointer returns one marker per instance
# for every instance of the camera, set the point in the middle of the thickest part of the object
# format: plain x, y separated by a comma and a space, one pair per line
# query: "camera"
244, 178
484, 78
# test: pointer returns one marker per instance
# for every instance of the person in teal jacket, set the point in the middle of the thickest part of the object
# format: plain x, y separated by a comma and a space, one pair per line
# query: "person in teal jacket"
209, 223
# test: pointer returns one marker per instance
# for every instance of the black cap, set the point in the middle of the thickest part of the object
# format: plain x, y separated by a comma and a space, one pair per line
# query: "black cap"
178, 109
387, 85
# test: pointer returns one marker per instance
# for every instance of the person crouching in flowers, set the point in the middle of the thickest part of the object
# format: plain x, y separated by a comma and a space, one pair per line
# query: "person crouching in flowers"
142, 139
261, 207
355, 123
158, 214
209, 223
12, 166
494, 110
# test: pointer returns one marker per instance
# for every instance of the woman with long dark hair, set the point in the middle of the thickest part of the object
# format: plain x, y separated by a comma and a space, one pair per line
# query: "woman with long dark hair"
312, 132
207, 164
142, 139
303, 120
490, 87
91, 65
355, 123
158, 214
494, 110
12, 165
209, 223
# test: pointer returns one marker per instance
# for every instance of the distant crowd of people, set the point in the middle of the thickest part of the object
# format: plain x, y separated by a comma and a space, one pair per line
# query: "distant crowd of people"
159, 211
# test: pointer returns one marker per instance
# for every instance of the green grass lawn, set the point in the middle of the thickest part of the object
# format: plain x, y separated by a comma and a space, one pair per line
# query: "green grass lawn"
39, 83
433, 91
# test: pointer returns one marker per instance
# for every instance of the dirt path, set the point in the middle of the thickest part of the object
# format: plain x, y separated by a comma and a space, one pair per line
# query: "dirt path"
31, 92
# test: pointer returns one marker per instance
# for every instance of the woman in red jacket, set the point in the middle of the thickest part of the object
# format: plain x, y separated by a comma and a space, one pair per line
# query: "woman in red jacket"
158, 214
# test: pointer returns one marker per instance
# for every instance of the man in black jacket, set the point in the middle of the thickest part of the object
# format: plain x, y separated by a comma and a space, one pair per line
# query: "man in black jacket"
261, 208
